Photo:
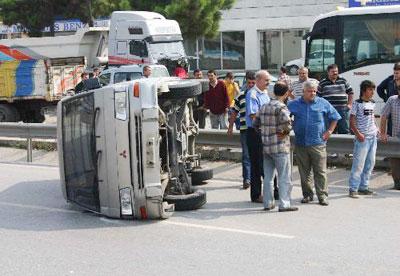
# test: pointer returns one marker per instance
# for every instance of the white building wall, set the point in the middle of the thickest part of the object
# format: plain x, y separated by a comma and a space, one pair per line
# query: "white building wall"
253, 16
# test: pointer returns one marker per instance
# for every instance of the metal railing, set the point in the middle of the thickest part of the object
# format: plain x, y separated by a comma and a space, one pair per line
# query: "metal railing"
338, 143
28, 132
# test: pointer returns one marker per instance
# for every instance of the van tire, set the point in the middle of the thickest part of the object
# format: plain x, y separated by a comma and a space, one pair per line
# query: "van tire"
8, 113
182, 90
199, 175
188, 202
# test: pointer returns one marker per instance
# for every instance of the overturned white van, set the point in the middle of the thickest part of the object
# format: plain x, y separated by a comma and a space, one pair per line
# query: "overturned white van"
127, 150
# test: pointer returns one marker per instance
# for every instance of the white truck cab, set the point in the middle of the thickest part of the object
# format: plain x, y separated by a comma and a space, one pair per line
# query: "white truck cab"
140, 37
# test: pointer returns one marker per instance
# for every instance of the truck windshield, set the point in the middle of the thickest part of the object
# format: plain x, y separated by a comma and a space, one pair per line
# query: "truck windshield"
167, 49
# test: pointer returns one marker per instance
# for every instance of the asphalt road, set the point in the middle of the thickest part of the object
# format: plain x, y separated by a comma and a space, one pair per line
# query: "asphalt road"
40, 234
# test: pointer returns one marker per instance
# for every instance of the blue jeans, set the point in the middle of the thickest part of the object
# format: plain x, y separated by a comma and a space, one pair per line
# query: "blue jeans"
363, 163
343, 124
281, 163
246, 169
218, 121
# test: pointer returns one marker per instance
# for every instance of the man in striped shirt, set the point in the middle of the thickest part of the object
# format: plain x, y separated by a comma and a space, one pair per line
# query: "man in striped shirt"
338, 92
296, 87
239, 107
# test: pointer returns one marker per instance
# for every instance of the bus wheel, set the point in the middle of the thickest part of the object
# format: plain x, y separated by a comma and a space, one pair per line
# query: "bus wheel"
187, 202
8, 113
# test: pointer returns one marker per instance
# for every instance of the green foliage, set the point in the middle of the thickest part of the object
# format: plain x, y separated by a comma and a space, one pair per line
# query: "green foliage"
106, 7
196, 17
35, 15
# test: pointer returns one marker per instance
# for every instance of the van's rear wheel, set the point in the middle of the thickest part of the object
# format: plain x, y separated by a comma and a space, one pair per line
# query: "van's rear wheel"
188, 202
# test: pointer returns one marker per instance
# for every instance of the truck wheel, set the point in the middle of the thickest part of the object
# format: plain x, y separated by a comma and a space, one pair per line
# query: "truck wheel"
187, 202
39, 117
182, 89
199, 175
8, 113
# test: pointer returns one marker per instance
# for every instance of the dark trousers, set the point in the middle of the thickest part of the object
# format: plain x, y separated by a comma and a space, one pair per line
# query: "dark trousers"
199, 116
254, 145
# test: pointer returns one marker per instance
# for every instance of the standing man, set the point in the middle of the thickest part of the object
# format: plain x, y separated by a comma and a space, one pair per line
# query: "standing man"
283, 77
199, 113
274, 121
231, 87
392, 108
296, 87
338, 92
362, 123
80, 87
96, 72
388, 88
217, 101
240, 108
310, 114
255, 99
146, 71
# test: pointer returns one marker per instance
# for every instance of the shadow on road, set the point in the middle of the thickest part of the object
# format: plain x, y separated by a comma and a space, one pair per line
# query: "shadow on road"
39, 206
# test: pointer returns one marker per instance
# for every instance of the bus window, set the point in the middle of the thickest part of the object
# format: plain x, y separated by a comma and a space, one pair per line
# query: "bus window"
321, 54
369, 40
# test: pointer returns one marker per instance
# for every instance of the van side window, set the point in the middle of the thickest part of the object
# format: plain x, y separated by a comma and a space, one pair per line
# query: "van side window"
138, 48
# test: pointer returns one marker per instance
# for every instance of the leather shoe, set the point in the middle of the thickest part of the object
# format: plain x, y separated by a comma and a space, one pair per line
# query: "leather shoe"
323, 202
288, 209
269, 208
258, 200
307, 199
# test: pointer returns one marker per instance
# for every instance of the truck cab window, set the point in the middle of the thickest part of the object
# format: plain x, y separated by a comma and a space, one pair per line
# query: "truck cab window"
138, 48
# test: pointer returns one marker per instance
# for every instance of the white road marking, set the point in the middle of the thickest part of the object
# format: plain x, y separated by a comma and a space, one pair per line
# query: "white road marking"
24, 165
233, 230
42, 208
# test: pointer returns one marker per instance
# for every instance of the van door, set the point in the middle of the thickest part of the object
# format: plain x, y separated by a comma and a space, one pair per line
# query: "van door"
79, 151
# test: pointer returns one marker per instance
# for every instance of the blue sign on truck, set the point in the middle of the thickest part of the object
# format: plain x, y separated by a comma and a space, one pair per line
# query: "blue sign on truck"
360, 3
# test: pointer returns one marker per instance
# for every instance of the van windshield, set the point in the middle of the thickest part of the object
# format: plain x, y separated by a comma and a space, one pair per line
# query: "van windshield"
167, 49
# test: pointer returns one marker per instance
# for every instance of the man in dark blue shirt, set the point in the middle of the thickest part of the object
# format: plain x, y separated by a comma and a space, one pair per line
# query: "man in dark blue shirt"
311, 132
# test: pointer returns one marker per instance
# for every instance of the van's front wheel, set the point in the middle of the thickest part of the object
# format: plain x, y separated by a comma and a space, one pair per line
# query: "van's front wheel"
188, 202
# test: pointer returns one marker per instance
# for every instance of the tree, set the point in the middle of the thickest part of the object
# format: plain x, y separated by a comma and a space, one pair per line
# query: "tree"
197, 18
102, 8
35, 15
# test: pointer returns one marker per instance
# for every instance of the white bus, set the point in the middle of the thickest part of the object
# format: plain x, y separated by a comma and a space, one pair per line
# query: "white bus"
363, 42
